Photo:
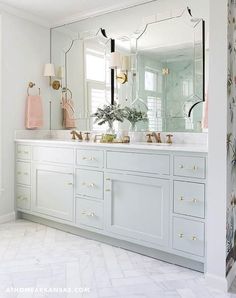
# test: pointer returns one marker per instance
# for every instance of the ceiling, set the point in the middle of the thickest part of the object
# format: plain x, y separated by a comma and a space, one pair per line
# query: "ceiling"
57, 12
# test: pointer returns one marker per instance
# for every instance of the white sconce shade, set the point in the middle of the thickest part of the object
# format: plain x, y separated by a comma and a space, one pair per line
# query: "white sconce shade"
115, 61
49, 70
125, 63
60, 72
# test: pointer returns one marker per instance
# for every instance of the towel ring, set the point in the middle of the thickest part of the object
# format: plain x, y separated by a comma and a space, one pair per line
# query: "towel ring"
31, 85
66, 90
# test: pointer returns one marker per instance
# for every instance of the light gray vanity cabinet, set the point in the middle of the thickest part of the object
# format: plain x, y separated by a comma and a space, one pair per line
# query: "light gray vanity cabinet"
149, 198
137, 207
53, 191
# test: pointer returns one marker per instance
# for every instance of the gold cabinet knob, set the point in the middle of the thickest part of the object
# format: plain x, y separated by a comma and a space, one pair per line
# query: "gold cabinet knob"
194, 201
181, 199
92, 185
181, 166
18, 173
194, 238
195, 168
181, 235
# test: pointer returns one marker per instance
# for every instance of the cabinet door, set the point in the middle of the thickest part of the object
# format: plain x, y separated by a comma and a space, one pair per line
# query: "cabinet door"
138, 207
53, 192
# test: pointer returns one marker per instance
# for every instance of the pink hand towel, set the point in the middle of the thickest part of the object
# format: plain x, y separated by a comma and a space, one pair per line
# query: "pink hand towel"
34, 112
68, 113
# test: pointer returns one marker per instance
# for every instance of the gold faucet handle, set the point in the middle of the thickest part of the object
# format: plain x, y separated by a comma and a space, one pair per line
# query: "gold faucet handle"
73, 133
87, 136
149, 139
169, 139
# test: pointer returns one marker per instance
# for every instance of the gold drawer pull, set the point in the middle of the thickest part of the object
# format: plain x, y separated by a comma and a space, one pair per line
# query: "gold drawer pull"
84, 158
108, 179
195, 168
19, 151
108, 189
69, 183
26, 174
19, 173
92, 185
90, 214
88, 158
26, 152
181, 199
181, 235
25, 199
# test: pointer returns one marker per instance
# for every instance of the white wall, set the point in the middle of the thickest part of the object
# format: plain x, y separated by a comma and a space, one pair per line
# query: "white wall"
25, 49
216, 198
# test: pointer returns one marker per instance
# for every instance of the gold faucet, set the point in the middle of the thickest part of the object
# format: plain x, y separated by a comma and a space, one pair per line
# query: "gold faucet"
157, 136
149, 138
77, 135
169, 140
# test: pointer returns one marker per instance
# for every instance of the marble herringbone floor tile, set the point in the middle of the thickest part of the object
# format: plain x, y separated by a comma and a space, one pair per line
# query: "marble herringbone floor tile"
39, 257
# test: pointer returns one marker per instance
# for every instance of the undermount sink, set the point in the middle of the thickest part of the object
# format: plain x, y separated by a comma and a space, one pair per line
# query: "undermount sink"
156, 144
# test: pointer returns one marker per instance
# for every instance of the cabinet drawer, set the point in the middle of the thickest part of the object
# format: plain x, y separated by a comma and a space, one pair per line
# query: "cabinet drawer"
188, 236
55, 155
90, 158
89, 213
189, 166
22, 198
23, 173
89, 183
189, 198
139, 162
23, 152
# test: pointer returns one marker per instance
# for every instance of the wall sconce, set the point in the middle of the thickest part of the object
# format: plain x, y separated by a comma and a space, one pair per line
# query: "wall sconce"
56, 84
49, 71
120, 62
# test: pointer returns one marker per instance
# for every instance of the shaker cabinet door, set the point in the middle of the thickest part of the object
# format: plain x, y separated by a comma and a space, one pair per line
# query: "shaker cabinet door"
138, 207
53, 193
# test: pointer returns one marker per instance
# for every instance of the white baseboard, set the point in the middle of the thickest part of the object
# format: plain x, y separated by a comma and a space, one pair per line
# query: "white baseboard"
216, 282
231, 275
7, 217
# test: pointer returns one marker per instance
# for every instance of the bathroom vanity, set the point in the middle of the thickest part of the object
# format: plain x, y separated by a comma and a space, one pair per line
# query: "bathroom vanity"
148, 198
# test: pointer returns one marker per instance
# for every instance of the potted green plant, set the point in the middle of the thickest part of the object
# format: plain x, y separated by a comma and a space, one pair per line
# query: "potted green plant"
109, 114
134, 116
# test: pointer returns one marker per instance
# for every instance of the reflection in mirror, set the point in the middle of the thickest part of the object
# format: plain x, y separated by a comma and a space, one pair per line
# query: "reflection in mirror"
82, 67
170, 73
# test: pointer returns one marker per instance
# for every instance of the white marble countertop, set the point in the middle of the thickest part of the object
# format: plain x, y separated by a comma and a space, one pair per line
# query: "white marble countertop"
201, 148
